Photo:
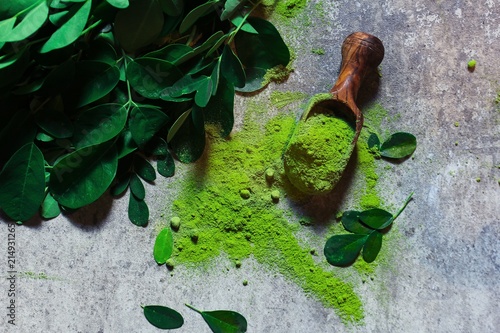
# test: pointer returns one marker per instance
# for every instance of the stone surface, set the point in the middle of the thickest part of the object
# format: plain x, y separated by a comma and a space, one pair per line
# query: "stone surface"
92, 270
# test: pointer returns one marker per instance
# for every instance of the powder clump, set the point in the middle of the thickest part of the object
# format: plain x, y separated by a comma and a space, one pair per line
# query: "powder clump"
318, 153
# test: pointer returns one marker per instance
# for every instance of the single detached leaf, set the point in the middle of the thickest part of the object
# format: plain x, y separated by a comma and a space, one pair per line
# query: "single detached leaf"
223, 321
82, 176
145, 121
50, 207
399, 145
373, 141
138, 211
342, 250
22, 183
71, 30
99, 124
372, 246
136, 187
139, 24
30, 23
163, 317
350, 221
150, 76
164, 245
376, 218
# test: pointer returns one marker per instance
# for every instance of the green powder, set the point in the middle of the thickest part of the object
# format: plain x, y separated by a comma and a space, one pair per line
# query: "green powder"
318, 153
212, 208
290, 8
280, 99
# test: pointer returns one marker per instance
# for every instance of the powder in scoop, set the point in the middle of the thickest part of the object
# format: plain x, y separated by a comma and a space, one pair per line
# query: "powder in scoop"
318, 153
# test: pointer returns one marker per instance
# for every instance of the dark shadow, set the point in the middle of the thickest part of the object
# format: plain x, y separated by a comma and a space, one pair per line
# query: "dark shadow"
93, 215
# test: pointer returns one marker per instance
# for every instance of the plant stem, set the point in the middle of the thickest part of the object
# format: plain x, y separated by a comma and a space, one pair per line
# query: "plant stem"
404, 206
243, 22
193, 308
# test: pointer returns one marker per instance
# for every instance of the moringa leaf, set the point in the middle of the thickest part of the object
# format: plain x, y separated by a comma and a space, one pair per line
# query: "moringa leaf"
376, 218
230, 7
30, 24
188, 143
50, 207
342, 250
12, 8
240, 21
173, 53
138, 211
95, 80
139, 24
372, 246
219, 109
374, 141
82, 176
22, 181
231, 68
71, 30
350, 221
164, 246
177, 124
223, 321
197, 12
119, 3
172, 7
55, 123
144, 169
399, 145
254, 79
136, 187
163, 317
120, 186
166, 166
150, 76
145, 121
99, 124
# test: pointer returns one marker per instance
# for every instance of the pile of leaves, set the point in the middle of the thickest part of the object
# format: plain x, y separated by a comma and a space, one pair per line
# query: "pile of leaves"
93, 90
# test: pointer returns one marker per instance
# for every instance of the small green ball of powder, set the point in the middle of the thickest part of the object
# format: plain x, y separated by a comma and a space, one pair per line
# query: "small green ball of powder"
275, 195
270, 174
175, 223
318, 153
245, 194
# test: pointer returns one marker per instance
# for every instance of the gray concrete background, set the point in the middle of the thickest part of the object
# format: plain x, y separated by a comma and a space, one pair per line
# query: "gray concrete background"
91, 271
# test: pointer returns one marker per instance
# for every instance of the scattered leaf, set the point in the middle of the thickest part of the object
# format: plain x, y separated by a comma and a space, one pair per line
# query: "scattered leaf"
342, 250
372, 246
376, 218
164, 246
399, 145
350, 221
223, 321
163, 317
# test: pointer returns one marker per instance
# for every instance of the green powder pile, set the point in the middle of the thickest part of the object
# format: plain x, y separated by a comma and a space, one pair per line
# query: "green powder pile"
229, 205
318, 153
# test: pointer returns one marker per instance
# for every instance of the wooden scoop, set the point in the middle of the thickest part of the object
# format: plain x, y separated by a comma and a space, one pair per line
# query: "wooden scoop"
361, 53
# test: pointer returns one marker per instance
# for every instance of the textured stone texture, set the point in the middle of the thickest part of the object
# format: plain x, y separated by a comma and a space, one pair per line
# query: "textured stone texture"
443, 276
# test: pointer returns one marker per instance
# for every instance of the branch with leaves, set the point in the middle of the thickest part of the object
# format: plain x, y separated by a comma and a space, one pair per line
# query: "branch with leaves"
93, 90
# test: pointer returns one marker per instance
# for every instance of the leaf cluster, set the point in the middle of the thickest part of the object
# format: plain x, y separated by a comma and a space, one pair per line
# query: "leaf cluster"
367, 229
93, 90
219, 321
397, 146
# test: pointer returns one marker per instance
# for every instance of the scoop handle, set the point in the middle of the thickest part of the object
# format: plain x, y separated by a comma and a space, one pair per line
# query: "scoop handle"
361, 53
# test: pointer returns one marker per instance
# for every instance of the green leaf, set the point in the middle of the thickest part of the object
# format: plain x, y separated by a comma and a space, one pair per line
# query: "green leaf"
150, 76
372, 246
200, 11
118, 3
219, 109
173, 53
29, 25
350, 221
71, 30
157, 146
121, 186
163, 317
230, 7
55, 123
6, 28
164, 246
139, 24
144, 169
374, 141
189, 142
22, 181
82, 176
13, 66
217, 44
185, 85
203, 92
136, 187
166, 165
376, 218
399, 145
254, 79
12, 8
60, 79
177, 124
145, 121
95, 80
342, 250
232, 69
223, 321
99, 124
245, 26
50, 207
102, 51
138, 211
263, 50
172, 7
